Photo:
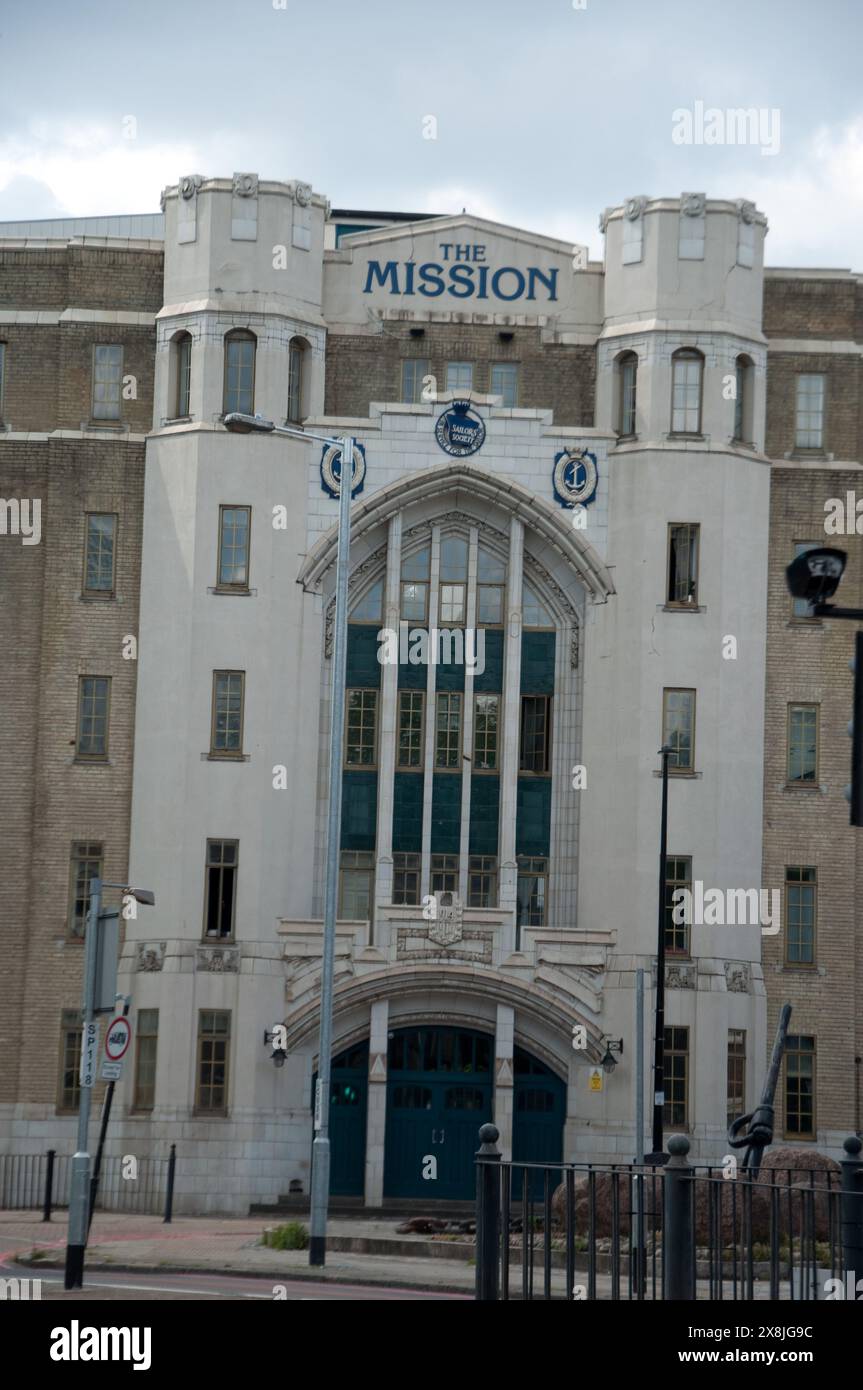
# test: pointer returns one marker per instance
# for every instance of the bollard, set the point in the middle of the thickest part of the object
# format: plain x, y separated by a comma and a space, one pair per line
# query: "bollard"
488, 1215
169, 1195
49, 1185
852, 1212
678, 1263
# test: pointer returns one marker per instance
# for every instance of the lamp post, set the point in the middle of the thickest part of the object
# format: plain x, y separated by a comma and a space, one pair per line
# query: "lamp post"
79, 1195
657, 1156
246, 424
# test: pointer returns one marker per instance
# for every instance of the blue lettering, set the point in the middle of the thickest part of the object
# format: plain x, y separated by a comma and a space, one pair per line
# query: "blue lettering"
433, 278
409, 276
479, 253
462, 252
498, 276
446, 247
461, 275
549, 280
390, 272
483, 277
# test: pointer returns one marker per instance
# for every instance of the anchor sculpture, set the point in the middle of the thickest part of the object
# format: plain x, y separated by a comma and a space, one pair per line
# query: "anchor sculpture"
760, 1122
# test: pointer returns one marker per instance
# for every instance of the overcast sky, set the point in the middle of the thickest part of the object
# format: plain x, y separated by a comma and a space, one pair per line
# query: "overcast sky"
545, 113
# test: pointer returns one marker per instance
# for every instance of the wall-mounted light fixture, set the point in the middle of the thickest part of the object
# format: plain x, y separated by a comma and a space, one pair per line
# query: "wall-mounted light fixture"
271, 1039
612, 1045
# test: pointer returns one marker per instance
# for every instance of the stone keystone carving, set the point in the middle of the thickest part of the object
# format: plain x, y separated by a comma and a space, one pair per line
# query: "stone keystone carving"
189, 185
635, 207
693, 204
151, 955
446, 929
303, 194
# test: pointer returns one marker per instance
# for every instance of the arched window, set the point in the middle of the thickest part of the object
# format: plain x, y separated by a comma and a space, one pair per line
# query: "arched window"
239, 396
743, 399
182, 374
296, 381
627, 372
687, 372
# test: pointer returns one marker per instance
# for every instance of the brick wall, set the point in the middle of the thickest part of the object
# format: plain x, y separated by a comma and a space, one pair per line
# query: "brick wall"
807, 663
364, 368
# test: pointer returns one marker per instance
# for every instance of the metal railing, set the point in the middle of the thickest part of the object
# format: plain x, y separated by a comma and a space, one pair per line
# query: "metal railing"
626, 1232
29, 1181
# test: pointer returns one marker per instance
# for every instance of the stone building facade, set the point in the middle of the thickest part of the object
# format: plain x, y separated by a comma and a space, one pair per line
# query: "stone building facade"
552, 459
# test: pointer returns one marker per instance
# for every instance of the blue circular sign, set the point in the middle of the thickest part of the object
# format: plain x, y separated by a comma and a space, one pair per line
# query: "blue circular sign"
574, 477
331, 469
460, 431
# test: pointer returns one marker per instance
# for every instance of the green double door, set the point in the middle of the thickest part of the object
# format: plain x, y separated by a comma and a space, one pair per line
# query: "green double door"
439, 1092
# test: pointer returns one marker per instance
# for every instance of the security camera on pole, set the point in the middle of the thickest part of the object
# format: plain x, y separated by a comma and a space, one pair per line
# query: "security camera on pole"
99, 996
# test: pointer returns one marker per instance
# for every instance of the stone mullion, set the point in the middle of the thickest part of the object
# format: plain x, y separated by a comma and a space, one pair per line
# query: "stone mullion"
510, 725
428, 776
388, 723
467, 744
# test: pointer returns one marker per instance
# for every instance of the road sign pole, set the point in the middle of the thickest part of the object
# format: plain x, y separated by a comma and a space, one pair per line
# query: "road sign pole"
79, 1198
103, 1129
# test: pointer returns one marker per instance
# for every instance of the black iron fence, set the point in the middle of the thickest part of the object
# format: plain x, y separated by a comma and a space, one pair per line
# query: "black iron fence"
582, 1231
143, 1186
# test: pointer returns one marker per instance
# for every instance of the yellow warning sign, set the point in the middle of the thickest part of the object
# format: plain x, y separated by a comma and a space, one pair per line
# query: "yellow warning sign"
596, 1079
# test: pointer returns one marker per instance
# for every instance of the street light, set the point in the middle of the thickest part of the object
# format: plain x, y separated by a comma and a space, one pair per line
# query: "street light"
79, 1195
657, 1156
239, 423
609, 1061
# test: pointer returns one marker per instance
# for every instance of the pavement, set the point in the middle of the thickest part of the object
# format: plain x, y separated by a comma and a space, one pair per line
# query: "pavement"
370, 1251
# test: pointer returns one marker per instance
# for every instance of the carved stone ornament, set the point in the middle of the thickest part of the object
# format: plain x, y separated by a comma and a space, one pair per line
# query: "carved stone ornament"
446, 929
737, 977
151, 955
303, 194
189, 185
746, 211
634, 207
693, 204
218, 960
245, 185
680, 977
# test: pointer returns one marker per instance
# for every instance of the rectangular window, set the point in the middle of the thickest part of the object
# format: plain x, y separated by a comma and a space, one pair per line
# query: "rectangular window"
406, 880
486, 713
94, 699
410, 748
239, 392
85, 865
226, 728
295, 382
801, 907
799, 606
413, 371
676, 1055
809, 432
535, 733
678, 874
361, 728
2, 375
686, 368
532, 891
802, 757
504, 383
414, 602
356, 885
683, 544
489, 604
628, 380
736, 1086
678, 728
234, 529
214, 1039
448, 730
100, 534
482, 881
799, 1086
452, 603
146, 1039
444, 873
107, 381
220, 893
459, 376
69, 1087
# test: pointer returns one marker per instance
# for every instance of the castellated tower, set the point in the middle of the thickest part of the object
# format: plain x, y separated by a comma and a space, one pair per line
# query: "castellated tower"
230, 645
680, 377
